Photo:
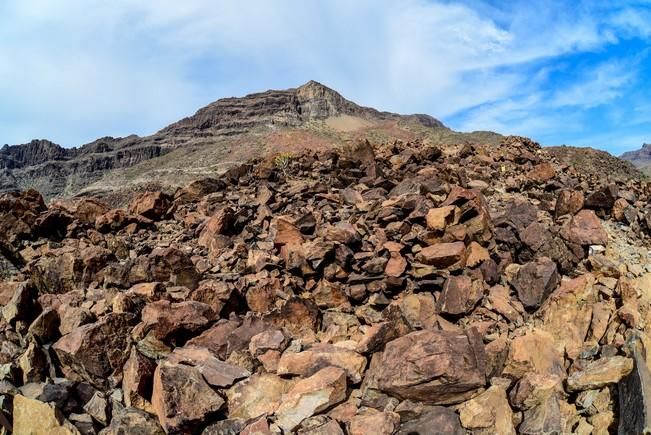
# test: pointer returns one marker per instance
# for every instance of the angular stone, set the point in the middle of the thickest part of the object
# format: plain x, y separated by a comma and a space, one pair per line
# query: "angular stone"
444, 255
396, 265
603, 198
535, 281
322, 355
599, 373
257, 395
567, 314
38, 418
477, 254
96, 350
585, 229
219, 224
309, 396
133, 421
217, 373
435, 367
439, 218
267, 340
569, 202
635, 392
137, 380
152, 205
285, 232
97, 407
541, 173
181, 398
46, 326
167, 320
372, 421
544, 418
459, 296
547, 360
488, 413
437, 420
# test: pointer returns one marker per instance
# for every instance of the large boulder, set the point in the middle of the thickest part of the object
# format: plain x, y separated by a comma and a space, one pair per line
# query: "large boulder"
97, 350
181, 397
435, 367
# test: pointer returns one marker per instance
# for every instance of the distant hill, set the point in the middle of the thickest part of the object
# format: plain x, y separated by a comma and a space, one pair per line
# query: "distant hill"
226, 132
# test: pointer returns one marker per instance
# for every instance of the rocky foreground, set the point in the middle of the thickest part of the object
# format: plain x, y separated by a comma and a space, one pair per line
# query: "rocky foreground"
373, 290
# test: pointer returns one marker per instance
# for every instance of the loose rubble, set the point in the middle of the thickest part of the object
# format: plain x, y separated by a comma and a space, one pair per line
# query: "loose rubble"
389, 289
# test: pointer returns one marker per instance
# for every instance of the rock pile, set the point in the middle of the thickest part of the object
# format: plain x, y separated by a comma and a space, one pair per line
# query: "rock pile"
395, 289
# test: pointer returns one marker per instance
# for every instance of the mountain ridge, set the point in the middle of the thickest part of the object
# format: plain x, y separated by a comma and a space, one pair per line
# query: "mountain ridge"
58, 171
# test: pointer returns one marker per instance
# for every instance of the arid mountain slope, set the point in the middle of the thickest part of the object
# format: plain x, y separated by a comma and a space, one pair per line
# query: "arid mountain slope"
226, 132
597, 162
640, 158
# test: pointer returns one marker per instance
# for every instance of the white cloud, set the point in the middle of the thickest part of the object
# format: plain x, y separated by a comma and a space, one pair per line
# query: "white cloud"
73, 70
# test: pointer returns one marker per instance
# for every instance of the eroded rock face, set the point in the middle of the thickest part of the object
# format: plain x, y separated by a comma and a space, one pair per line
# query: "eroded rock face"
435, 367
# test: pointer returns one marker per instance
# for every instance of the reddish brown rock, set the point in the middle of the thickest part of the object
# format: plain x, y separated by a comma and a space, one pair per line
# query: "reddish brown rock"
309, 396
86, 210
218, 224
171, 265
137, 380
285, 232
535, 281
375, 422
477, 254
257, 395
569, 202
213, 293
322, 355
436, 367
444, 255
460, 295
181, 398
168, 321
541, 173
439, 218
585, 229
217, 373
97, 350
437, 420
396, 265
152, 205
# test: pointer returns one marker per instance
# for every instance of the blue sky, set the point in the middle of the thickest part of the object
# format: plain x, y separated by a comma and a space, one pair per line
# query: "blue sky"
560, 72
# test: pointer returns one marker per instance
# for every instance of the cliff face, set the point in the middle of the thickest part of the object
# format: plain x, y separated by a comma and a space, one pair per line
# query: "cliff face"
57, 171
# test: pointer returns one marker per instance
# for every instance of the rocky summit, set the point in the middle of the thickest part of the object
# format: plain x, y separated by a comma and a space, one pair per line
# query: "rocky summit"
480, 287
217, 137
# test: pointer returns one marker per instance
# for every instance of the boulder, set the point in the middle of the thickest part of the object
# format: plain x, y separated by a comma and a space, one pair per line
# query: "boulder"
181, 398
311, 395
259, 394
435, 367
152, 205
97, 350
172, 321
585, 229
322, 355
444, 255
599, 373
488, 413
535, 281
38, 418
459, 296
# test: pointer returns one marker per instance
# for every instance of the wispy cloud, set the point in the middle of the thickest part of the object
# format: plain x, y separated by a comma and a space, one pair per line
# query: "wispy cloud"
72, 70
